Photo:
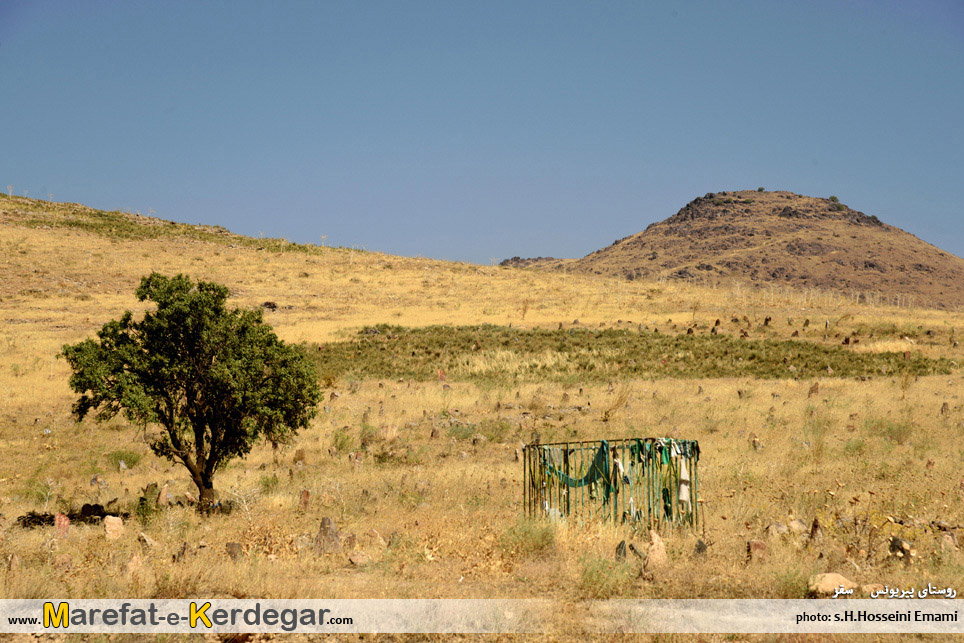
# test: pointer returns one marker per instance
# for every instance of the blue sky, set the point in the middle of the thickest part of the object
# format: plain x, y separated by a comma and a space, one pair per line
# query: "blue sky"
482, 130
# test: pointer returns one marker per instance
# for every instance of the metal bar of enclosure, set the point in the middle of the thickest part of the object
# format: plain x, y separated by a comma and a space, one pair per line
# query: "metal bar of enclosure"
645, 482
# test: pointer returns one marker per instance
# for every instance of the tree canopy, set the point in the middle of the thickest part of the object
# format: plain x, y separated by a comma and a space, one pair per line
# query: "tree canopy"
211, 380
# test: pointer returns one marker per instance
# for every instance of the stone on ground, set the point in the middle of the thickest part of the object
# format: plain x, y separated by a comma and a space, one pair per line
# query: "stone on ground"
828, 584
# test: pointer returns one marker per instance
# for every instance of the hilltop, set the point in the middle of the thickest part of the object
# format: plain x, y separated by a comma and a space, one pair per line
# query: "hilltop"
780, 238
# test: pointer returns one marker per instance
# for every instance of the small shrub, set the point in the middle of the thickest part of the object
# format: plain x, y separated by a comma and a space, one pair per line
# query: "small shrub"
854, 447
897, 431
462, 431
495, 430
834, 199
603, 577
368, 436
341, 439
528, 537
145, 510
759, 189
130, 458
268, 484
791, 583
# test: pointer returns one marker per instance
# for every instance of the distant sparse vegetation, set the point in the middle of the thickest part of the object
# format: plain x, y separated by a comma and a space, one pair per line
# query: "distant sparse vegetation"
130, 227
500, 354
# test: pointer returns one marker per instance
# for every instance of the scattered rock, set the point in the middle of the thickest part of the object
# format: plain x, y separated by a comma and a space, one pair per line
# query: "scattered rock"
146, 541
327, 541
163, 497
900, 548
815, 530
621, 550
656, 555
777, 529
797, 526
948, 541
756, 551
359, 558
113, 527
350, 542
375, 537
305, 501
299, 457
234, 550
137, 572
700, 548
61, 525
828, 584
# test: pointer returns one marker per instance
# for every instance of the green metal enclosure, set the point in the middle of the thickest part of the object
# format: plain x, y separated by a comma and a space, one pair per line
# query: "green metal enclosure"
646, 482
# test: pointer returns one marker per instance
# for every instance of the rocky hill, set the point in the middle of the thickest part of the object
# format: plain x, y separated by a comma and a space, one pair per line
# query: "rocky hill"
780, 238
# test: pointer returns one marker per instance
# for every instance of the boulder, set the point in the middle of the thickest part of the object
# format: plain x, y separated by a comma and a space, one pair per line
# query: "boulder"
327, 541
756, 551
61, 525
113, 527
656, 557
777, 529
797, 526
828, 584
948, 541
146, 541
900, 548
359, 558
163, 496
234, 550
621, 550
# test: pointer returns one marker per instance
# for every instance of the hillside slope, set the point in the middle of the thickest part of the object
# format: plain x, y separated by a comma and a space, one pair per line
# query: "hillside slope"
780, 238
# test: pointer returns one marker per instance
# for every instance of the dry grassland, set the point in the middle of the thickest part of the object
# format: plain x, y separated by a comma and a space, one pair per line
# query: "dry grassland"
424, 473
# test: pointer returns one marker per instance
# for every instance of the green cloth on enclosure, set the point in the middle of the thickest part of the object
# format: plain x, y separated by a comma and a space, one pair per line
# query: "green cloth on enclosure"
598, 470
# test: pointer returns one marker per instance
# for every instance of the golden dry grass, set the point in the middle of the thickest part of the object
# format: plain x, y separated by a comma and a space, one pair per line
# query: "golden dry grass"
857, 450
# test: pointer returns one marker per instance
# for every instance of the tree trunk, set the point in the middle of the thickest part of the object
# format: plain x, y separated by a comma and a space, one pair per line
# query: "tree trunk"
208, 497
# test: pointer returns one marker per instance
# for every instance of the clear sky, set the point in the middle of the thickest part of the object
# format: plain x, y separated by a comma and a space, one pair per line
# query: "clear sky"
482, 130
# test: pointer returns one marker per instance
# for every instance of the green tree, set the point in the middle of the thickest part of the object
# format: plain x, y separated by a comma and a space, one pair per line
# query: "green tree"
205, 380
